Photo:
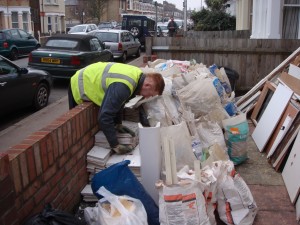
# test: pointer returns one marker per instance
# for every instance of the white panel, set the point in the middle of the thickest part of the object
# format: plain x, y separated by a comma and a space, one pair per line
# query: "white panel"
271, 116
291, 170
150, 150
294, 71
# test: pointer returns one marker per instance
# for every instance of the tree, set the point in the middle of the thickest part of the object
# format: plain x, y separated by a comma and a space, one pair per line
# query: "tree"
214, 17
96, 8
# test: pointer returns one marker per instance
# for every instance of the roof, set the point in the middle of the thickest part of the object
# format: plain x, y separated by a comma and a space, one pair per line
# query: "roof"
72, 36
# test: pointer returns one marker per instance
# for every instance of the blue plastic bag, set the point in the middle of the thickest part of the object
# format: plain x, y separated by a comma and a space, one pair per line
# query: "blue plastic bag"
119, 180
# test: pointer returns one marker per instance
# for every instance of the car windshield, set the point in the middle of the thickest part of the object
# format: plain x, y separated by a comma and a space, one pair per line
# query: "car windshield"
78, 29
105, 25
107, 37
61, 43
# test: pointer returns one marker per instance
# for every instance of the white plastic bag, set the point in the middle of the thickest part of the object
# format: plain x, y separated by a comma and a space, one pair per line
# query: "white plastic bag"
117, 210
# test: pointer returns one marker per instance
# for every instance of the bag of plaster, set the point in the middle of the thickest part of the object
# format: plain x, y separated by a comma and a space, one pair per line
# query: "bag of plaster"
182, 204
182, 141
120, 180
116, 210
236, 204
201, 96
236, 135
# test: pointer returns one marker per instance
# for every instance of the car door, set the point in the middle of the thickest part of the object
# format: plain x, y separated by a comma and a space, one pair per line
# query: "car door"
28, 42
126, 43
135, 43
15, 90
97, 52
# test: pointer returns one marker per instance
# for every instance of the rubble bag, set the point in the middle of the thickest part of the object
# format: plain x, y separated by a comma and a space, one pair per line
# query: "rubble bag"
119, 180
120, 210
51, 216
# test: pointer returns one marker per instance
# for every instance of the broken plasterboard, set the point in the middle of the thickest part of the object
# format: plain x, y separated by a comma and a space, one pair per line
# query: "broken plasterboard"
271, 116
291, 170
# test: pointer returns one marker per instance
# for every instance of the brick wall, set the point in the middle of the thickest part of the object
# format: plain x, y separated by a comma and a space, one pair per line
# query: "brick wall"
49, 166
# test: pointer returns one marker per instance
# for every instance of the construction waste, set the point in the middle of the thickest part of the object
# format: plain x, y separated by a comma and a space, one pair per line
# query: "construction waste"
201, 137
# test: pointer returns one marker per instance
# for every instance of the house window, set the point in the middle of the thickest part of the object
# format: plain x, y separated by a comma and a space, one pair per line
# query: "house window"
25, 21
14, 20
291, 20
49, 24
56, 23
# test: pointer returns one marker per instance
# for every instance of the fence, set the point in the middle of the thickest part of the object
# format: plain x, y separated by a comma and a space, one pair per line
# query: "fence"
253, 59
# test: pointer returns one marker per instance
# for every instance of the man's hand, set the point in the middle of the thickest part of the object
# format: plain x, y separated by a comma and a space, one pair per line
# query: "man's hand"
123, 129
122, 149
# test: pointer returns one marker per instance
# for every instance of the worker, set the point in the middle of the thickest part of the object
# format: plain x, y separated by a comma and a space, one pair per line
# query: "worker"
172, 27
110, 86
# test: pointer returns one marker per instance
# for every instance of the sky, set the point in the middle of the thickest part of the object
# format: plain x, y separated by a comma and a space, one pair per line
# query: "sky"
191, 4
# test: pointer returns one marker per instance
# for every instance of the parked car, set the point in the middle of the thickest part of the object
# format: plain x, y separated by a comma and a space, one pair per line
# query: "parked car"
16, 42
105, 25
162, 29
140, 26
120, 42
64, 54
22, 87
83, 28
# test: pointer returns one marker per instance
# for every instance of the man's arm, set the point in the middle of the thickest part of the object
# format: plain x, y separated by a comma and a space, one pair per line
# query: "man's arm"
111, 108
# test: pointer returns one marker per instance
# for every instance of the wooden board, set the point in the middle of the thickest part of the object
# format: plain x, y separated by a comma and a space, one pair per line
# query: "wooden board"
282, 128
291, 170
271, 116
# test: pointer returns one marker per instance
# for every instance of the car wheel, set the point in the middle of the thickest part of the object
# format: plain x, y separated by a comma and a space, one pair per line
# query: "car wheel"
135, 31
138, 53
41, 97
124, 57
14, 55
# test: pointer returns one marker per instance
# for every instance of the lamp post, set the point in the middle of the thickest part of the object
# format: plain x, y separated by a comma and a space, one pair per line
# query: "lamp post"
155, 4
184, 16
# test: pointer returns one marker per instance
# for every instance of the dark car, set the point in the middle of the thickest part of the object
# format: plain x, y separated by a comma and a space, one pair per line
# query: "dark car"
140, 26
16, 42
22, 87
64, 54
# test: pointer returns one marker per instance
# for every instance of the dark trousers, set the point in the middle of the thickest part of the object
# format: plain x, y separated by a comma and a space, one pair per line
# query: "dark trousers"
71, 99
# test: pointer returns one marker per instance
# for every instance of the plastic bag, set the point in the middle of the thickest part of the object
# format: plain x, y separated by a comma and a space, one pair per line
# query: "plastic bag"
51, 216
117, 210
120, 180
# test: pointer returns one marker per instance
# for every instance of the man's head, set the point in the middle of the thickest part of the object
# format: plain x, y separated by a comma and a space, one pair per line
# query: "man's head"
153, 85
172, 17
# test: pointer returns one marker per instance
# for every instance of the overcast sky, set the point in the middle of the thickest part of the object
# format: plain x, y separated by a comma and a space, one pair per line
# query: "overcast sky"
191, 4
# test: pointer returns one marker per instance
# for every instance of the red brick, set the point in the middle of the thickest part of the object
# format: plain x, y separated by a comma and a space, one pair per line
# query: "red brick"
4, 166
31, 164
29, 141
24, 169
65, 137
70, 133
10, 217
26, 209
75, 148
31, 190
55, 144
78, 130
50, 150
41, 133
6, 202
49, 172
16, 176
60, 141
57, 177
6, 186
41, 194
44, 154
70, 164
52, 194
14, 153
37, 159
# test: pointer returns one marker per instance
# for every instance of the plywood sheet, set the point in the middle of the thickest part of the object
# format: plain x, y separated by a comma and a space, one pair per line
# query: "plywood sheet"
271, 116
291, 170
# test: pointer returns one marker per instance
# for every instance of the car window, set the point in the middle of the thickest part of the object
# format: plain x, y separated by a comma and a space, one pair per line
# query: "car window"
6, 68
131, 38
135, 22
62, 43
15, 34
125, 37
95, 44
78, 29
107, 36
2, 36
23, 34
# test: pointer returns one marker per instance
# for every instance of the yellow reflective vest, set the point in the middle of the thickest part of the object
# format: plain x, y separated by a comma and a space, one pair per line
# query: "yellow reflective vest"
91, 82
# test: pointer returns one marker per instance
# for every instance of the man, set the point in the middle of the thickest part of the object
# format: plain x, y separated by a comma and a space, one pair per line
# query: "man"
110, 86
172, 27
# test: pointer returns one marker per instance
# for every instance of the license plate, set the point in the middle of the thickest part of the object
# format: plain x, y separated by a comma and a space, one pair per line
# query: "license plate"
50, 60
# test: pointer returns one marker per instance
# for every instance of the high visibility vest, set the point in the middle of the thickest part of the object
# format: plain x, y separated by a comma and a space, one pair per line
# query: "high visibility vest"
91, 82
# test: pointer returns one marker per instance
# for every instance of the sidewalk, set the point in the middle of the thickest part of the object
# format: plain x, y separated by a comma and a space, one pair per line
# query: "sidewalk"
19, 131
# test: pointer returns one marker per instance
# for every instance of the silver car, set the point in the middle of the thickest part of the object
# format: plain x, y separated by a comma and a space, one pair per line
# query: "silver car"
120, 42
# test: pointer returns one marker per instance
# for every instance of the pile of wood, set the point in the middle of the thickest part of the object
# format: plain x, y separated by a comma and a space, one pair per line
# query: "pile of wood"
273, 105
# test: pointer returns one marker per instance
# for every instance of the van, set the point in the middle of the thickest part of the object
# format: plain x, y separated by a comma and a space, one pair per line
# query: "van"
140, 26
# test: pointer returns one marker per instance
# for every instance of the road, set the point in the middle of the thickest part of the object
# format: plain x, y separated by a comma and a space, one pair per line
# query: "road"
59, 90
